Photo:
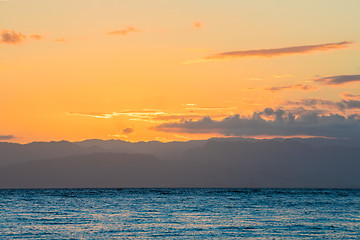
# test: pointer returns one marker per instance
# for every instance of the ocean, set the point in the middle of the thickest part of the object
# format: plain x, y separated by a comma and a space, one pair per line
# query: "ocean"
180, 214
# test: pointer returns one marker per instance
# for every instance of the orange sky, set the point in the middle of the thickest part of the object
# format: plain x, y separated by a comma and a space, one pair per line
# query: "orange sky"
111, 69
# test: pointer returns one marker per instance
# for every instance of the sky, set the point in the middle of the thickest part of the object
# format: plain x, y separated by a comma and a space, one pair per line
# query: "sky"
178, 70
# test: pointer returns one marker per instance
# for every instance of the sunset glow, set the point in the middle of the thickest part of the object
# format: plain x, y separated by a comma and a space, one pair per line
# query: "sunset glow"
159, 70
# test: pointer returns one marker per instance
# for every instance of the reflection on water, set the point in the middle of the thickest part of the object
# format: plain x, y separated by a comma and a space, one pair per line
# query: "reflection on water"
179, 213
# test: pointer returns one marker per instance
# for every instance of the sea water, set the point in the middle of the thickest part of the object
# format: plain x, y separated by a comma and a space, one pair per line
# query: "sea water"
180, 214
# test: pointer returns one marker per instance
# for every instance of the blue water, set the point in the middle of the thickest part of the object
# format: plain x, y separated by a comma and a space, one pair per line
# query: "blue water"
179, 214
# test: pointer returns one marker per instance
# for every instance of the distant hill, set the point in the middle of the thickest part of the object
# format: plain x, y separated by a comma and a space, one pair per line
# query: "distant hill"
269, 164
18, 153
272, 163
168, 150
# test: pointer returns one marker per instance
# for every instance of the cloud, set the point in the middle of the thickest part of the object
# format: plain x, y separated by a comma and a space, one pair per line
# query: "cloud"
349, 96
303, 87
6, 137
124, 31
275, 52
317, 102
146, 114
197, 24
338, 80
94, 115
272, 123
172, 117
11, 37
36, 37
350, 102
207, 108
14, 38
127, 130
154, 116
283, 76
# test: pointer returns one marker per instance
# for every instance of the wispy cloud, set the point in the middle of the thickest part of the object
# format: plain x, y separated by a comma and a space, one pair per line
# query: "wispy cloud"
124, 31
127, 130
275, 52
6, 137
15, 38
338, 79
349, 102
36, 37
11, 37
135, 115
197, 24
315, 103
304, 87
154, 116
283, 76
349, 96
196, 107
94, 115
172, 117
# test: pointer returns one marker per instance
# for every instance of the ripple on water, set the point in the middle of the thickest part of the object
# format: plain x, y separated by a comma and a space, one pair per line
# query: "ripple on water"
179, 213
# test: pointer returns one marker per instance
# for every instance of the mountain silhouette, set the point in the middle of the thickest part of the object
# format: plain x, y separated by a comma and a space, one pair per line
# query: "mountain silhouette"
263, 164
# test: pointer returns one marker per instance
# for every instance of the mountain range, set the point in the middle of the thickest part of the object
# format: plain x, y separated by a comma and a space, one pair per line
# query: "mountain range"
217, 162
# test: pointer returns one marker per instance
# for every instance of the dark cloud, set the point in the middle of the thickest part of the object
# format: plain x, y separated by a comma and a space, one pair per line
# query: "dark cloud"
11, 37
127, 130
338, 80
124, 31
317, 102
278, 51
6, 137
349, 101
272, 123
303, 87
352, 104
300, 110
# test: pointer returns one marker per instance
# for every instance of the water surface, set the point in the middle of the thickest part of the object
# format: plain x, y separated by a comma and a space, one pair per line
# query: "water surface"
179, 213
